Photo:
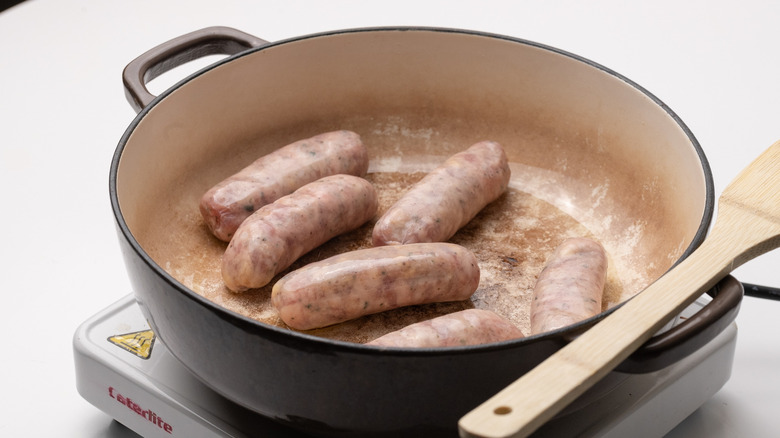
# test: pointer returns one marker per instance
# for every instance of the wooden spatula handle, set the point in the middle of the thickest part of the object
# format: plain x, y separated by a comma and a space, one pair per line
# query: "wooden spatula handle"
537, 396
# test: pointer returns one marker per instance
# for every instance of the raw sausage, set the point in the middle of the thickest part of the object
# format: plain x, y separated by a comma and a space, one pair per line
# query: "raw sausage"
279, 233
467, 327
280, 173
570, 287
447, 198
371, 280
272, 238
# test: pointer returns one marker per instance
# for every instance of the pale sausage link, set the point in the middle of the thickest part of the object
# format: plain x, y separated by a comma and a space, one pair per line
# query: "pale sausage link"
280, 173
467, 327
275, 236
570, 287
373, 280
447, 198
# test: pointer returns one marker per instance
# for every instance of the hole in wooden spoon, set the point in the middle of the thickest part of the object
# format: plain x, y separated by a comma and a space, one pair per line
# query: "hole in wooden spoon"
502, 410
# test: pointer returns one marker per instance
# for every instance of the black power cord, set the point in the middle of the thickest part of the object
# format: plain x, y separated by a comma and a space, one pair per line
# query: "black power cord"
754, 290
5, 4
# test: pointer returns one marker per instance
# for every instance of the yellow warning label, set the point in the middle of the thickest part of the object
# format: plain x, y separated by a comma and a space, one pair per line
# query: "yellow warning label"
138, 343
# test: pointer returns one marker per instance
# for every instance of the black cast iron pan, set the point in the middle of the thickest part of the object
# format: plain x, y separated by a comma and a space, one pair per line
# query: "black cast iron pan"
591, 153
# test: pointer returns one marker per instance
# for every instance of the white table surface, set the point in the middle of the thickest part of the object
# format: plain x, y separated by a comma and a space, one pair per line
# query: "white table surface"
63, 110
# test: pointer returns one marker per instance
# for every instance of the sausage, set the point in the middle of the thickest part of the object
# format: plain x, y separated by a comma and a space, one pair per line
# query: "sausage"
280, 173
467, 327
372, 280
570, 287
276, 235
447, 198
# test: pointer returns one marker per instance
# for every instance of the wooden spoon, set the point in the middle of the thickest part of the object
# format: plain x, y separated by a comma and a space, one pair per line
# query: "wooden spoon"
747, 225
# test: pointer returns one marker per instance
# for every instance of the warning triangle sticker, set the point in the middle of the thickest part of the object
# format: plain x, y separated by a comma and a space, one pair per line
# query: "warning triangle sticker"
138, 343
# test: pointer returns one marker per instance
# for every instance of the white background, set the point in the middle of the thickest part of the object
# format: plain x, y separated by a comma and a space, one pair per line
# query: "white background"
63, 110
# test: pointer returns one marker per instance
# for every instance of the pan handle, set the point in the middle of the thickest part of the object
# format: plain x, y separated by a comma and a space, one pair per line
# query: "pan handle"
674, 344
166, 56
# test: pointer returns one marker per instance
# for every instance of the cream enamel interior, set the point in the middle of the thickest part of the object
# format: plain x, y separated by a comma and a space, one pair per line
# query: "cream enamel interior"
591, 155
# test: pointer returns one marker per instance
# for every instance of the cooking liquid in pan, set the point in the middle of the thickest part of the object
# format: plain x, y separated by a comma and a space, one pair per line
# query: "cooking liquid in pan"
512, 237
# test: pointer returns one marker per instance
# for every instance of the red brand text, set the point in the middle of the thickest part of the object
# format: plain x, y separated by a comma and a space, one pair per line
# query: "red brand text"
147, 414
